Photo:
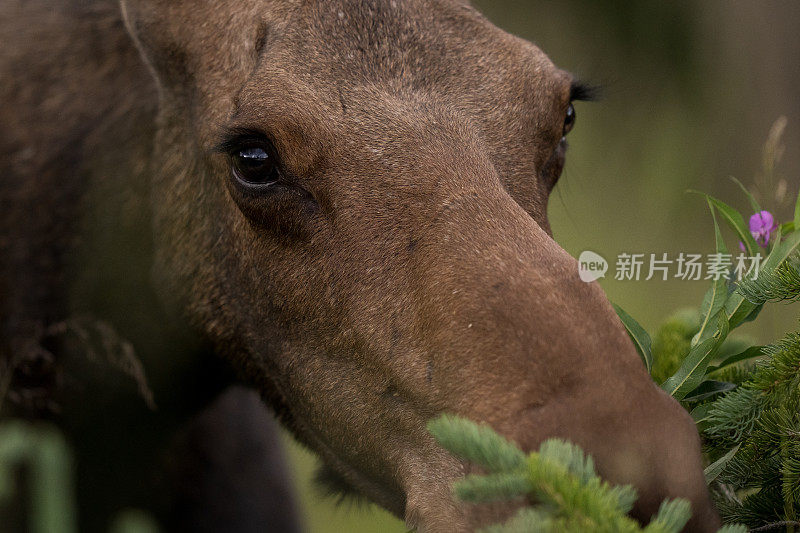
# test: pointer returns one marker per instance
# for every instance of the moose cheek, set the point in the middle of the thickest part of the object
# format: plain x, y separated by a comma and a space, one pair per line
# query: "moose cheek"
284, 211
551, 171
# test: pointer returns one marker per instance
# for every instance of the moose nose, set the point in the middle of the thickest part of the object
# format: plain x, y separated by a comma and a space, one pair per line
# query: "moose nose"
526, 346
512, 299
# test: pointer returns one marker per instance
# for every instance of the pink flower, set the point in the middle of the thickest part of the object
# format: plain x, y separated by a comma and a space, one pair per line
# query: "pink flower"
761, 226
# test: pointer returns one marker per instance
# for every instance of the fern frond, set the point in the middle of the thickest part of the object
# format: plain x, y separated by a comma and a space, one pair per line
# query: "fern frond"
733, 528
734, 415
737, 374
527, 520
752, 467
790, 472
671, 516
492, 487
780, 423
781, 366
783, 283
570, 497
571, 456
592, 503
757, 509
476, 443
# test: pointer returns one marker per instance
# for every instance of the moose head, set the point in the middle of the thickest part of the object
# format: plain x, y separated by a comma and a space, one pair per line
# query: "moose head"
350, 199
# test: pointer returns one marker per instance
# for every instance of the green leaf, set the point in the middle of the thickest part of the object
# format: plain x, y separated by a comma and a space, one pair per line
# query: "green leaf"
750, 353
739, 309
708, 389
735, 221
782, 250
700, 415
641, 340
693, 369
714, 469
797, 213
753, 201
752, 315
714, 299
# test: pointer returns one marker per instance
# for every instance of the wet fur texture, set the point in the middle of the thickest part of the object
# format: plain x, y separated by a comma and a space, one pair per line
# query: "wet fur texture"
404, 267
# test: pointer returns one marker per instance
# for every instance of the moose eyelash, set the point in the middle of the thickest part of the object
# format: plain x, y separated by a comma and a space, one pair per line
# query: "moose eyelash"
235, 138
583, 91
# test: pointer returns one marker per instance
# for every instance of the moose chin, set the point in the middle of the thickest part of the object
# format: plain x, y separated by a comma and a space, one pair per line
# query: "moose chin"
345, 201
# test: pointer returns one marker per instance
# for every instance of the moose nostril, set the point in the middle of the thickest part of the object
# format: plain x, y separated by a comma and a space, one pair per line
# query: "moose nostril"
392, 393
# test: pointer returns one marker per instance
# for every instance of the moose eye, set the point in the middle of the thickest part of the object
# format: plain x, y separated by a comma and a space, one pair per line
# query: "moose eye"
569, 119
254, 165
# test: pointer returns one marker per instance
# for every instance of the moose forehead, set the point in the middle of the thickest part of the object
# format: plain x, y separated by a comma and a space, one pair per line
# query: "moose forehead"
317, 62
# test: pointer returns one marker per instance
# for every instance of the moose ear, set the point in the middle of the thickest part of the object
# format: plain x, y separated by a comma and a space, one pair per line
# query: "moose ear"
154, 27
182, 40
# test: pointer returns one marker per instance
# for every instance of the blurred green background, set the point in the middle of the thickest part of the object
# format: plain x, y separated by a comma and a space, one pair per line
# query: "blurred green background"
691, 90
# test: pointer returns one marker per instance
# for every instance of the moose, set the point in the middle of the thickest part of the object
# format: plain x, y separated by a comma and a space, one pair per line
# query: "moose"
339, 203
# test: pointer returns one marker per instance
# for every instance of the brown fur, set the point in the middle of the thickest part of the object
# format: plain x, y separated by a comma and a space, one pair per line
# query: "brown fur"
408, 270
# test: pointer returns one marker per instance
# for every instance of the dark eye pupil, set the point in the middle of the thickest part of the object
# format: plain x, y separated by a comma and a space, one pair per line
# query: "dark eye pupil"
569, 119
254, 165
